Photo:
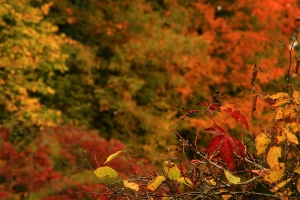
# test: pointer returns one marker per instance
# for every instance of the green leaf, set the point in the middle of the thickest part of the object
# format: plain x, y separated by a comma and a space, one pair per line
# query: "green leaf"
106, 171
112, 156
171, 170
185, 181
231, 178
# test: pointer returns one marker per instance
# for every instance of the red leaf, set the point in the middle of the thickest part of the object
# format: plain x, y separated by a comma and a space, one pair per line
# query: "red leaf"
214, 145
238, 147
226, 154
238, 116
216, 130
202, 103
214, 107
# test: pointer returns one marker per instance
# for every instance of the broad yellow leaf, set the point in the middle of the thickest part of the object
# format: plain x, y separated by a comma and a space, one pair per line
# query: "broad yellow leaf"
274, 176
272, 157
171, 170
296, 97
158, 180
131, 185
112, 156
290, 136
231, 178
185, 181
280, 185
261, 143
106, 171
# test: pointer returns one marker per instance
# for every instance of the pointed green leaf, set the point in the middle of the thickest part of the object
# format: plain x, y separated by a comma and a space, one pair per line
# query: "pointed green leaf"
106, 171
112, 156
171, 170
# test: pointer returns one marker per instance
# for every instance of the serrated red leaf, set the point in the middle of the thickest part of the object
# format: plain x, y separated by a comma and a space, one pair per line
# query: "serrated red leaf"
216, 130
202, 103
226, 154
238, 116
214, 145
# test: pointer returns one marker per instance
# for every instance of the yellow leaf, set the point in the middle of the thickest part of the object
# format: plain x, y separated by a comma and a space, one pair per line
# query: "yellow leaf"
261, 143
185, 181
290, 136
281, 102
225, 196
231, 178
106, 171
171, 170
112, 156
274, 176
131, 185
297, 170
50, 90
298, 185
280, 95
284, 195
272, 157
280, 137
280, 185
278, 114
289, 113
296, 97
158, 180
211, 181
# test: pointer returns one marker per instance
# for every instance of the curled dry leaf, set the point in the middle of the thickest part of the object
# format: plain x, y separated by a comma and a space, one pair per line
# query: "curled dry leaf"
254, 74
254, 100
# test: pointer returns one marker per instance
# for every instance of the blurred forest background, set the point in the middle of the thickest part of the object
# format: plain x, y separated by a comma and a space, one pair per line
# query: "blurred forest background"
101, 75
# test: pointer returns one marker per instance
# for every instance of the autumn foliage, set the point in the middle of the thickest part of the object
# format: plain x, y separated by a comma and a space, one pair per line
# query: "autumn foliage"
78, 77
